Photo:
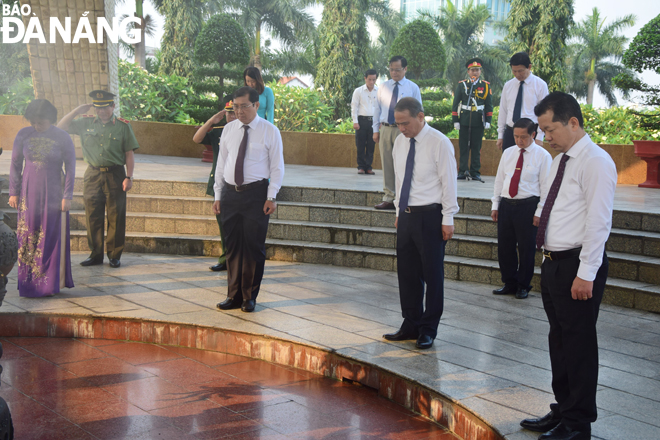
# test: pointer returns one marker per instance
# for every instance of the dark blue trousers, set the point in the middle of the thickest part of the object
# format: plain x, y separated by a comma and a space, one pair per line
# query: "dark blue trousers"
516, 241
364, 141
572, 340
420, 252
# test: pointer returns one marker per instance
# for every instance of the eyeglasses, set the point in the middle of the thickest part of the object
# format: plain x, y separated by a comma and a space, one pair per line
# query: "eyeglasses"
396, 70
242, 107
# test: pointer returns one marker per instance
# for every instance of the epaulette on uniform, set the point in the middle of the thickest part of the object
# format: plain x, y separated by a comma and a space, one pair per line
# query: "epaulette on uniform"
88, 116
125, 121
486, 82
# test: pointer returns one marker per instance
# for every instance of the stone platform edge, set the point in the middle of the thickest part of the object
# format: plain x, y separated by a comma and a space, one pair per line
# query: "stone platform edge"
418, 398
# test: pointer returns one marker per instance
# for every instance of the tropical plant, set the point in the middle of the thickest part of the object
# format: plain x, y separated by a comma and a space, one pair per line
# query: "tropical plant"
595, 54
146, 27
618, 125
422, 47
300, 109
221, 51
17, 98
15, 64
541, 28
147, 97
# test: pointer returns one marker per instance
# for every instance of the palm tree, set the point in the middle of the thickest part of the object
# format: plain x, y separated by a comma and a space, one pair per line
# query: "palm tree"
595, 43
139, 49
284, 19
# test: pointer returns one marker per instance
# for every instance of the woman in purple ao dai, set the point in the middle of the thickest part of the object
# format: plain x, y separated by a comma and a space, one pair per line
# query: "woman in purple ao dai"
36, 192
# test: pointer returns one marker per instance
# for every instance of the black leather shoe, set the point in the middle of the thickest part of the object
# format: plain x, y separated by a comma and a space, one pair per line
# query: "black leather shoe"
521, 293
424, 342
248, 305
219, 267
542, 424
114, 262
91, 262
506, 290
461, 177
229, 303
563, 432
400, 336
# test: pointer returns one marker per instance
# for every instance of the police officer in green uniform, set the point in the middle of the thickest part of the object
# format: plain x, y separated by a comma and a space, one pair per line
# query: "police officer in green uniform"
107, 144
472, 112
209, 134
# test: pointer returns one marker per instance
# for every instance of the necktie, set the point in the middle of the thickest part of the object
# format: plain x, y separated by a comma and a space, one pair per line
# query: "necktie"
393, 101
550, 201
407, 177
517, 107
515, 180
240, 158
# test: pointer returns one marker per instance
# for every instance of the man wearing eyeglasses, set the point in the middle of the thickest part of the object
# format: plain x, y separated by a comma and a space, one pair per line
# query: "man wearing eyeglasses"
248, 177
385, 129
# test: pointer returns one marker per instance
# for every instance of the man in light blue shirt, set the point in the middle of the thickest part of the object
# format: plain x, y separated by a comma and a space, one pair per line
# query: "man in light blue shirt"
385, 129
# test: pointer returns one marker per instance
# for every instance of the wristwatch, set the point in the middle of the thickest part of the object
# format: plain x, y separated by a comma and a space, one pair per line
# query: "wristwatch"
270, 199
129, 177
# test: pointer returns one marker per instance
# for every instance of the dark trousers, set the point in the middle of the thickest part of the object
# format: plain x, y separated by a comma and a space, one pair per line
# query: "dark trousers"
515, 227
420, 253
103, 190
469, 143
245, 226
223, 257
507, 138
364, 141
572, 340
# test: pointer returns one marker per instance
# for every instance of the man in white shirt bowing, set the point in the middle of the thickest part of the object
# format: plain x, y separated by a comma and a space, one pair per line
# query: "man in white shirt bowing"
516, 195
425, 172
248, 177
574, 225
519, 96
362, 113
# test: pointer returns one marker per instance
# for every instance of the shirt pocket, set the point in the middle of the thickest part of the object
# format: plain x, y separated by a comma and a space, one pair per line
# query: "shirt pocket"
531, 170
115, 143
256, 151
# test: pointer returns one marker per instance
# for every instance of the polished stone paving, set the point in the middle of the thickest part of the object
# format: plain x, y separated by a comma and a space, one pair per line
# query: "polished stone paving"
490, 354
101, 389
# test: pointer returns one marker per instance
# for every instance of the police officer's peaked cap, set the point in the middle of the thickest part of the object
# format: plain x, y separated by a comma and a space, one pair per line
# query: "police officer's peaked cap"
474, 62
101, 98
229, 106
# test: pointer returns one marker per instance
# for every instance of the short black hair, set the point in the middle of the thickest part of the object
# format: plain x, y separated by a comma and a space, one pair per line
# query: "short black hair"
563, 106
252, 94
255, 74
404, 61
413, 106
41, 109
370, 72
520, 59
527, 123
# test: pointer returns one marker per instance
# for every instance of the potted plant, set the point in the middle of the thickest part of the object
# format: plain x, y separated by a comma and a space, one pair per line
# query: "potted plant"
644, 54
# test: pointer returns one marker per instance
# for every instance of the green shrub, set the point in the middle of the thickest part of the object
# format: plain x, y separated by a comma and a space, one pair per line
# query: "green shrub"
148, 97
300, 109
16, 100
617, 125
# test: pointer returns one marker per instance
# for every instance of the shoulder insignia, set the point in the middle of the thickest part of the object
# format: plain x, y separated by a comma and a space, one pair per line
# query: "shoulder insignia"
486, 82
461, 81
125, 121
88, 116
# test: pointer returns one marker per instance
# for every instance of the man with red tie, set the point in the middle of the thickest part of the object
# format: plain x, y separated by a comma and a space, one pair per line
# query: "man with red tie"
517, 193
248, 177
574, 224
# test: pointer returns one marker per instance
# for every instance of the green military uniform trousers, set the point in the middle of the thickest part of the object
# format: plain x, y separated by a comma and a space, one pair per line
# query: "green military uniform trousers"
103, 188
473, 136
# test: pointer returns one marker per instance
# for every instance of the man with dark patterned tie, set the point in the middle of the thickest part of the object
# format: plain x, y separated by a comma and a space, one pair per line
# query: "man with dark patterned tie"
574, 224
517, 193
519, 96
248, 177
425, 205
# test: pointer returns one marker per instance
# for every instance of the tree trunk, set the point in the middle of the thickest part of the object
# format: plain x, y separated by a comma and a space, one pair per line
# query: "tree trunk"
256, 59
590, 91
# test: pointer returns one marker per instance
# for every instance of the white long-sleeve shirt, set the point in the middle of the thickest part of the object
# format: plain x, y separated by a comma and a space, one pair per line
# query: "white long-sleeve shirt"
264, 157
434, 171
363, 102
407, 89
582, 213
536, 166
534, 90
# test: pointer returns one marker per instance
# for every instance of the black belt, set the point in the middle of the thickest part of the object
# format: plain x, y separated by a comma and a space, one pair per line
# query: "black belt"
508, 128
526, 201
560, 255
106, 169
247, 186
388, 125
368, 118
431, 207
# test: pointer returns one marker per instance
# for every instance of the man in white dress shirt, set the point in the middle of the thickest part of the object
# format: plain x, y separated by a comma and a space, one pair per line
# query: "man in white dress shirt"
519, 96
516, 195
248, 177
574, 225
362, 112
425, 205
385, 129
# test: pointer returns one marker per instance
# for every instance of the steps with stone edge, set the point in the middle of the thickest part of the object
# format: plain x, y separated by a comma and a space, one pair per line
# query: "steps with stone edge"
341, 227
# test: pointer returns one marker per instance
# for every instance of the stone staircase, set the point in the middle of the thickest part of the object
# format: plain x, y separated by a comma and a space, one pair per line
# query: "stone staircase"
341, 227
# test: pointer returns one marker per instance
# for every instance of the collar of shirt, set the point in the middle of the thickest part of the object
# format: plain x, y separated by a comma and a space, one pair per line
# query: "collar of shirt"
578, 147
529, 147
391, 82
254, 123
97, 120
422, 133
366, 89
